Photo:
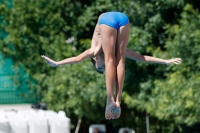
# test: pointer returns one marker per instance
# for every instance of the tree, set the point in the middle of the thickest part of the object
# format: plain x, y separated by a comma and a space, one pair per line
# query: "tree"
175, 97
33, 28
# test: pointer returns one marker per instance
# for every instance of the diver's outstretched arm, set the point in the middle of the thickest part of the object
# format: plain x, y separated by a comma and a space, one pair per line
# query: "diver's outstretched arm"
149, 59
72, 60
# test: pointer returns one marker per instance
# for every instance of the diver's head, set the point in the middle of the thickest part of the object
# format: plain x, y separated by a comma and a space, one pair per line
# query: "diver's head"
99, 63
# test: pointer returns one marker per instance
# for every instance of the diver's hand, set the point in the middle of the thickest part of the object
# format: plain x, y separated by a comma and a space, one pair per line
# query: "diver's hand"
173, 61
50, 61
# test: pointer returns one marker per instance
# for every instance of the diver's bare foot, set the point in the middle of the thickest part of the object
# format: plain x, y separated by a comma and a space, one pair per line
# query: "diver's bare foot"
116, 111
109, 109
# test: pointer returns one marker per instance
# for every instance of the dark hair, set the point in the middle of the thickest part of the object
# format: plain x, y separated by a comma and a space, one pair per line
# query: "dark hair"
94, 63
125, 131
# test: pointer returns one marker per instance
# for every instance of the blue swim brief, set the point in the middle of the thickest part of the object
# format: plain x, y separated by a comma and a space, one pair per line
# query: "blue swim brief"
114, 19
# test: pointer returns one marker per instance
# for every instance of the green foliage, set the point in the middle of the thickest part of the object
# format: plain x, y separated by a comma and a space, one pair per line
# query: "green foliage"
76, 91
176, 96
34, 28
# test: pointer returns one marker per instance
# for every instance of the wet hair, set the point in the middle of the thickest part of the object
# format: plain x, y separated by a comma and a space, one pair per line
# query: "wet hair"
125, 131
94, 64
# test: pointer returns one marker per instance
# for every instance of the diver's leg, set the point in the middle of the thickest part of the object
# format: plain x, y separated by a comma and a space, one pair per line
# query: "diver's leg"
108, 39
122, 41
